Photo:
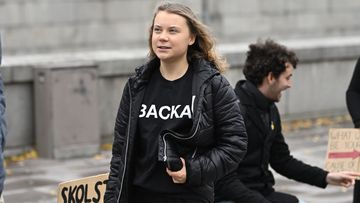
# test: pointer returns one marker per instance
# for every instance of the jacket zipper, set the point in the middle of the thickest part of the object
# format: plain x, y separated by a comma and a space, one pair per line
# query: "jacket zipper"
193, 155
126, 149
164, 140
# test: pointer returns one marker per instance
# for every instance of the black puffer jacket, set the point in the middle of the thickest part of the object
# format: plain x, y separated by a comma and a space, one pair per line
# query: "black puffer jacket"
214, 146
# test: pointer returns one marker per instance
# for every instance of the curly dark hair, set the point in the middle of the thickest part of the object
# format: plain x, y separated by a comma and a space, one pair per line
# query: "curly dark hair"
266, 57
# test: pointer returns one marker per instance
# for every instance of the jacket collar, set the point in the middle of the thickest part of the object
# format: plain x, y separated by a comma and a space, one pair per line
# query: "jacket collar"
143, 74
203, 70
253, 92
248, 95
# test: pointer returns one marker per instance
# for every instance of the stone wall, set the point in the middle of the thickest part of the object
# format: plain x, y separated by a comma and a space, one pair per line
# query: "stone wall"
32, 26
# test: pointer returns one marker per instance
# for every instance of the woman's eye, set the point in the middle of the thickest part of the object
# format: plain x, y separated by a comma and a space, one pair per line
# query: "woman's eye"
173, 31
156, 30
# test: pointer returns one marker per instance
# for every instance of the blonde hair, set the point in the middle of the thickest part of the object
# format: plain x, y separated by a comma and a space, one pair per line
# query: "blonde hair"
203, 46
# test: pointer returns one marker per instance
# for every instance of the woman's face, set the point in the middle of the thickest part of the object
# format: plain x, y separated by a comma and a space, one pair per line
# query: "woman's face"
171, 37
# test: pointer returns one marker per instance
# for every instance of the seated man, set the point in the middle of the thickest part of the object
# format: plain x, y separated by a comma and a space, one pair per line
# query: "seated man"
268, 71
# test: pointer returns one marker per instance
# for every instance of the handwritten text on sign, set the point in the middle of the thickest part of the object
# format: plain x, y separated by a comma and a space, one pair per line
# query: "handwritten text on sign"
90, 189
343, 150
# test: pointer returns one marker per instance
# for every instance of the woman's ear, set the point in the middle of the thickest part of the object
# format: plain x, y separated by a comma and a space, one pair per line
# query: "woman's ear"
192, 40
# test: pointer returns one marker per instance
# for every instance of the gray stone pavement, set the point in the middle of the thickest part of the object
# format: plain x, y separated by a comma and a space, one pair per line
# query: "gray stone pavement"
36, 180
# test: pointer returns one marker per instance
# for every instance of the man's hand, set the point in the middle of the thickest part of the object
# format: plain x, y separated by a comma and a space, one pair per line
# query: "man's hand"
178, 176
343, 178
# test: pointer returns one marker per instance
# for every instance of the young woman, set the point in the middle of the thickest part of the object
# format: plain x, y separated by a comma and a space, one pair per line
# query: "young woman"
179, 126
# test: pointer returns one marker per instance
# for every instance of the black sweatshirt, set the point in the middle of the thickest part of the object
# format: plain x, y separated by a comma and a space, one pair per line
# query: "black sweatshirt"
353, 96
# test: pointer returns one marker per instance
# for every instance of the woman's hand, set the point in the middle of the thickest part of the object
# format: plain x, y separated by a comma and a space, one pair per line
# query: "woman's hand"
180, 175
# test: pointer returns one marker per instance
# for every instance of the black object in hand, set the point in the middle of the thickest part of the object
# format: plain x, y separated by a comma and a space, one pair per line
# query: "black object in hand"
174, 164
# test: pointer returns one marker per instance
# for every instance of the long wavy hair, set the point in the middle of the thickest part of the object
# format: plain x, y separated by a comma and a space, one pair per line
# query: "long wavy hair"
203, 47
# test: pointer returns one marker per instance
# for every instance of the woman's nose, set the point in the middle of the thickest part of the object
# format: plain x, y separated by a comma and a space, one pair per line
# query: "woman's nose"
164, 36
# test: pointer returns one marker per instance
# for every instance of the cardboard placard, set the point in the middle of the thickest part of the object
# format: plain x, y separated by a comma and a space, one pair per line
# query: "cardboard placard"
89, 189
343, 150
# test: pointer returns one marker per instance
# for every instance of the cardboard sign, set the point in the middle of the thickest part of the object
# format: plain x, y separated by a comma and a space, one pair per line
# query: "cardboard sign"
343, 150
89, 189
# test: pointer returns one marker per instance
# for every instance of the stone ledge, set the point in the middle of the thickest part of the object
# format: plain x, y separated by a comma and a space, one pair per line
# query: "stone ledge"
19, 68
308, 50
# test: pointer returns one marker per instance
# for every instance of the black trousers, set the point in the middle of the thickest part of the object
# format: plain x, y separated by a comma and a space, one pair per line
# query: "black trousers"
158, 199
274, 197
145, 197
357, 192
279, 197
